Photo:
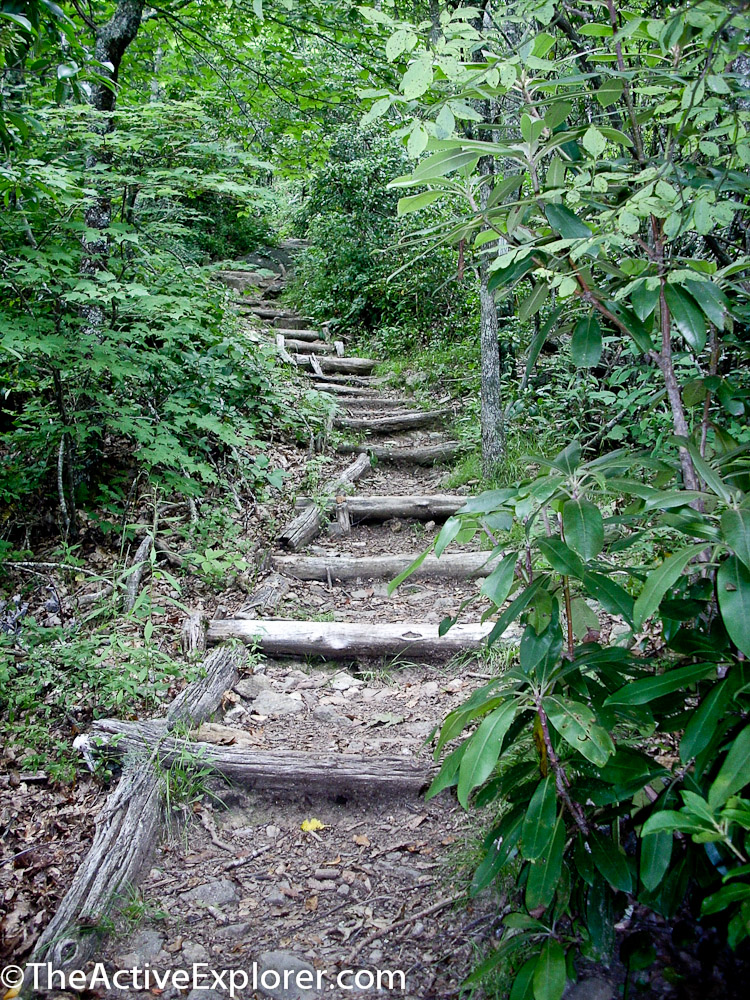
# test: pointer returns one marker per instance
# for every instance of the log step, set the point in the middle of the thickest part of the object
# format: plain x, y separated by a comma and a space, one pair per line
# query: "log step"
306, 335
326, 774
307, 346
350, 392
369, 402
428, 455
353, 366
276, 637
297, 334
267, 312
450, 566
393, 422
295, 322
435, 507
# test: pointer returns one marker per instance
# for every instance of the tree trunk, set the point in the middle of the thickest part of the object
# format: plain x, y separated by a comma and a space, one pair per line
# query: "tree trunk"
492, 417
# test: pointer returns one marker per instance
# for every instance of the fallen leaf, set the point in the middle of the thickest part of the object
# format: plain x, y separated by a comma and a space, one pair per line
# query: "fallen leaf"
361, 839
311, 904
311, 825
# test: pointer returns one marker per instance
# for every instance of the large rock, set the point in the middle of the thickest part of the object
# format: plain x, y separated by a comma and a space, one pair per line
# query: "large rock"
143, 948
328, 715
275, 703
287, 967
220, 892
250, 687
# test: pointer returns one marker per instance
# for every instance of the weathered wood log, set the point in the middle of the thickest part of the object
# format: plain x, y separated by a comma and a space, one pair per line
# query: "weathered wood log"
297, 323
434, 507
308, 336
367, 382
366, 401
314, 363
427, 455
307, 346
342, 518
126, 829
307, 524
344, 388
339, 346
283, 353
352, 366
394, 422
450, 566
328, 774
277, 637
193, 634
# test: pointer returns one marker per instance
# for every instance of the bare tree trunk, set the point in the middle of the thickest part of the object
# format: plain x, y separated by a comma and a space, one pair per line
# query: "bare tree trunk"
492, 416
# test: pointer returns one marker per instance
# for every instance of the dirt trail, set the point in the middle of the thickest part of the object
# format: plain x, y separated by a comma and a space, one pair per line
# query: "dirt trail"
295, 880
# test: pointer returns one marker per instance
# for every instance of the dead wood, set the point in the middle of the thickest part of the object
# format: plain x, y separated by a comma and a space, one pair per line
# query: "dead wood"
450, 566
427, 455
307, 524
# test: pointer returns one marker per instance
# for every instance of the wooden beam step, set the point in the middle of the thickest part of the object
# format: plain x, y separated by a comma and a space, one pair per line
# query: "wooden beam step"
327, 774
308, 346
394, 421
277, 637
290, 321
427, 455
352, 366
372, 402
450, 566
307, 524
348, 392
267, 312
433, 507
298, 334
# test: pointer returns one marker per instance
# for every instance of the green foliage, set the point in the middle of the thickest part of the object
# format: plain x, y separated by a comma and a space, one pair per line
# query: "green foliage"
350, 219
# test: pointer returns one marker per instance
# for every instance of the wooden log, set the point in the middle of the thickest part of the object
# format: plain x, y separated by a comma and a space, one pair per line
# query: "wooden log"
277, 637
300, 324
327, 774
314, 363
339, 346
427, 455
367, 401
393, 421
368, 382
352, 366
344, 389
126, 829
140, 562
283, 353
307, 525
305, 335
434, 507
193, 634
343, 520
308, 346
450, 566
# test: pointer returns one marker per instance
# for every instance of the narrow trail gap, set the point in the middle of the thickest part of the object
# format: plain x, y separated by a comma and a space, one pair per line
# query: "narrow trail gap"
322, 853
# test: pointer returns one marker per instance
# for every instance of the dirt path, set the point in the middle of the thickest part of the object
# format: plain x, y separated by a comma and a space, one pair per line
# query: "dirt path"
292, 879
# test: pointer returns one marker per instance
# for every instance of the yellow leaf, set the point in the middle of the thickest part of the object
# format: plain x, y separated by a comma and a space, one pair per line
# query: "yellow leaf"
310, 825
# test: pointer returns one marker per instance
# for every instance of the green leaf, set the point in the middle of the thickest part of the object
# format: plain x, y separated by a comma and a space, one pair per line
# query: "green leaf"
497, 585
442, 163
561, 557
448, 773
484, 749
612, 597
644, 301
539, 822
445, 122
583, 527
567, 223
703, 722
594, 142
659, 582
734, 774
544, 873
610, 92
549, 974
647, 689
533, 301
687, 316
418, 77
733, 591
578, 726
735, 530
408, 571
417, 142
539, 338
513, 610
724, 898
711, 299
523, 984
656, 853
586, 344
416, 202
611, 862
